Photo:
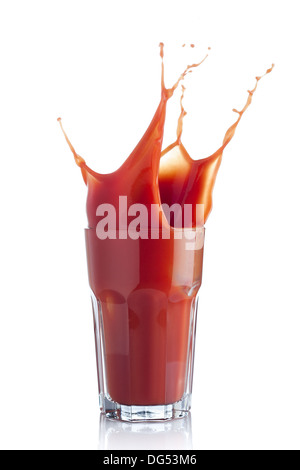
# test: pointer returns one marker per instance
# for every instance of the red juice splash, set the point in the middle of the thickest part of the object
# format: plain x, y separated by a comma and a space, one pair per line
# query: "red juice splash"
137, 177
183, 180
144, 291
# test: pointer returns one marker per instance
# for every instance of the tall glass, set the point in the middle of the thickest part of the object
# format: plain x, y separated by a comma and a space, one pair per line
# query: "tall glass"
145, 295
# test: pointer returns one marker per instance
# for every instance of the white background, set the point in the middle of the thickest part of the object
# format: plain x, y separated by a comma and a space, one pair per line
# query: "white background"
96, 64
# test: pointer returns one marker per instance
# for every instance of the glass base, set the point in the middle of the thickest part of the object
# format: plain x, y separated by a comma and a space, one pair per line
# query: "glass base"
131, 413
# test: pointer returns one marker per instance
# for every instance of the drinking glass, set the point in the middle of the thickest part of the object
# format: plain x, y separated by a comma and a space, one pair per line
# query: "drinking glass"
145, 297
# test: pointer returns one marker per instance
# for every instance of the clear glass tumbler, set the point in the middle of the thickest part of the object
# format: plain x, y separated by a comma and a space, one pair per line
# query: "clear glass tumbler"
145, 295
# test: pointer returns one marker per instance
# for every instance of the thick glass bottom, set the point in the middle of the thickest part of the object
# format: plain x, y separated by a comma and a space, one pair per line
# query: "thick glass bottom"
132, 413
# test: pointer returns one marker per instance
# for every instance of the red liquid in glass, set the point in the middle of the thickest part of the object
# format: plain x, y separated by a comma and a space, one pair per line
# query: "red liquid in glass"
147, 287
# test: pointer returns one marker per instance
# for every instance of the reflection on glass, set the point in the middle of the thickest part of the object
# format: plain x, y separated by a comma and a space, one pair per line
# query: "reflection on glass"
119, 435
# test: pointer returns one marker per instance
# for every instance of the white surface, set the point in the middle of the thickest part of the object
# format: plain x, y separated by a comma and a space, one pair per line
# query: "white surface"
96, 64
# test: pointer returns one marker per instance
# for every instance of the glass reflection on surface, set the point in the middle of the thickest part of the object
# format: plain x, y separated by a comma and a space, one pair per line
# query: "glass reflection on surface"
120, 435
